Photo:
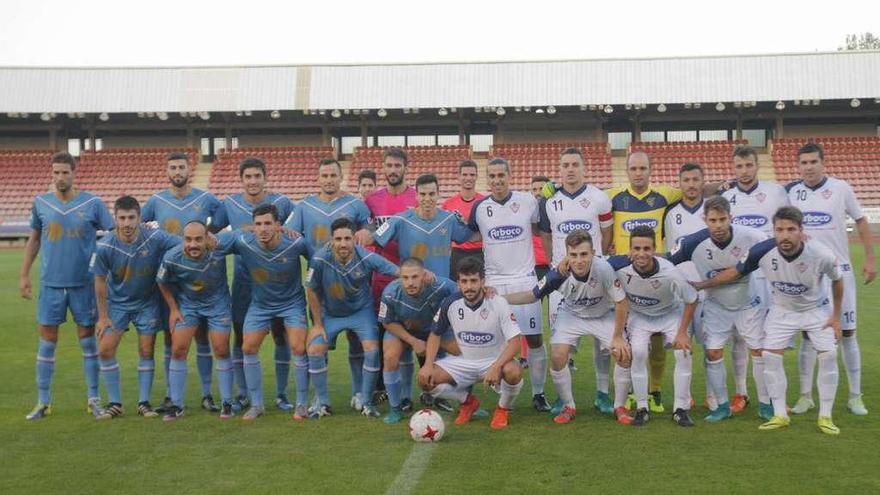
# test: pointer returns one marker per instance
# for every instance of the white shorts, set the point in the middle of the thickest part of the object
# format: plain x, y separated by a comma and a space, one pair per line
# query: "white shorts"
640, 327
848, 305
568, 329
465, 372
719, 325
528, 316
782, 324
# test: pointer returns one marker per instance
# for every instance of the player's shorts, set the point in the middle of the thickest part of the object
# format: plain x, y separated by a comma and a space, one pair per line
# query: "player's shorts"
217, 317
53, 303
640, 327
528, 316
848, 305
241, 299
781, 325
362, 322
568, 329
719, 324
465, 372
259, 319
145, 318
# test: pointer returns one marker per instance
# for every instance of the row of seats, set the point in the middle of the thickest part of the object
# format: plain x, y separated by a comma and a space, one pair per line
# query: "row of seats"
668, 157
25, 175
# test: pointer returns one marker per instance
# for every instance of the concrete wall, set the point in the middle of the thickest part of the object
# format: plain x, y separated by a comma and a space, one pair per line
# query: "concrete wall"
248, 141
111, 142
834, 130
28, 143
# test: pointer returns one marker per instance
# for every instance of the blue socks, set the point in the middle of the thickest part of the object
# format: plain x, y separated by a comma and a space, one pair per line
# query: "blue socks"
166, 364
371, 374
45, 370
407, 368
318, 377
110, 372
301, 375
177, 381
392, 387
90, 364
253, 373
146, 371
224, 379
282, 368
238, 370
204, 362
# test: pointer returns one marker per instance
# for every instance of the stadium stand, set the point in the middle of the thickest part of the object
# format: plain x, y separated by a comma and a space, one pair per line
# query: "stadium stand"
668, 157
138, 172
22, 181
441, 161
291, 170
530, 159
853, 159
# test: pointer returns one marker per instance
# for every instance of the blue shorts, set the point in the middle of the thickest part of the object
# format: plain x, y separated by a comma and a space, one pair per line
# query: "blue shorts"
260, 319
217, 317
363, 323
53, 303
145, 319
241, 299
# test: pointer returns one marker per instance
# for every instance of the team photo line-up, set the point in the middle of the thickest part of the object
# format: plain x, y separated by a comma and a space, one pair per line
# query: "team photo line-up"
458, 287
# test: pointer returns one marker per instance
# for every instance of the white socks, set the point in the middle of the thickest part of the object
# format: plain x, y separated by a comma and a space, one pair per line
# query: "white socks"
774, 377
682, 379
758, 375
740, 356
448, 391
602, 362
622, 384
852, 361
509, 392
538, 368
562, 381
716, 379
806, 367
827, 381
639, 374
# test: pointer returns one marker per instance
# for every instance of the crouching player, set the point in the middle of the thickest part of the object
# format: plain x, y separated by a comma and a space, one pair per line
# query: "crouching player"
656, 290
796, 271
593, 303
125, 264
406, 310
192, 280
488, 338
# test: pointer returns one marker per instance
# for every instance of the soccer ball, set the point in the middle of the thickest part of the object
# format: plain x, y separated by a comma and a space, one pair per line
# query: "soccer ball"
426, 426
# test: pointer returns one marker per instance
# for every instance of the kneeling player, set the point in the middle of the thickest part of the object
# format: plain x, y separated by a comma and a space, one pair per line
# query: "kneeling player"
589, 294
656, 290
488, 338
729, 312
407, 307
193, 283
125, 265
796, 270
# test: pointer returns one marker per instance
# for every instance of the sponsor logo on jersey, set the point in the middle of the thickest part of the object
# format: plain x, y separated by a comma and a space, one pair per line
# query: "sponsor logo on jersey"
816, 218
642, 301
629, 225
506, 232
588, 301
572, 225
790, 289
754, 221
476, 338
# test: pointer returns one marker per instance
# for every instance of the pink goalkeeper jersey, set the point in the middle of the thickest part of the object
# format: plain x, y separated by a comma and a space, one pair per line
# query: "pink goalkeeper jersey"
382, 205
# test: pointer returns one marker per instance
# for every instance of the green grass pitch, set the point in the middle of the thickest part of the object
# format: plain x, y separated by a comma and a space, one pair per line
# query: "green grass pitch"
347, 453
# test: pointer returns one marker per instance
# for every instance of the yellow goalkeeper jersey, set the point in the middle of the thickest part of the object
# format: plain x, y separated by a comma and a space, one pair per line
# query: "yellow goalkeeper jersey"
631, 209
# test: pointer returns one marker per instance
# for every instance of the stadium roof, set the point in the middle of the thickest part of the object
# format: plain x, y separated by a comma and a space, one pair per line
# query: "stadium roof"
823, 76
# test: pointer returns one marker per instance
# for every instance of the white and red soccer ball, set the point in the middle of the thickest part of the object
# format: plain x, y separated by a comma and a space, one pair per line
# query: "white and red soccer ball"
426, 426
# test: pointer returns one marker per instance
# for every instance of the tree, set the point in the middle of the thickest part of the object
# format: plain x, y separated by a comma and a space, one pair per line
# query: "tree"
865, 41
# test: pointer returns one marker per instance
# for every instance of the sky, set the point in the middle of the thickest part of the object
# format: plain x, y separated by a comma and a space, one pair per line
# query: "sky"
259, 32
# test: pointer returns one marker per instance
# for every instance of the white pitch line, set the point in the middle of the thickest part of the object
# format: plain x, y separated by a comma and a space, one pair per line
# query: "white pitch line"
411, 471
